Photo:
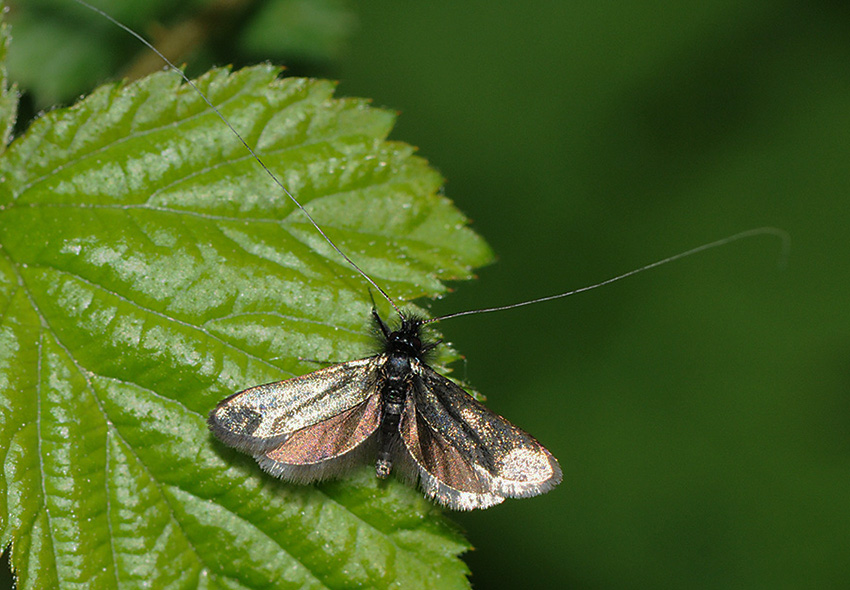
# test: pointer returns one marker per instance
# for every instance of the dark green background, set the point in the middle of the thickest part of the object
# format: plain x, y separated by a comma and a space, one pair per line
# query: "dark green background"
701, 411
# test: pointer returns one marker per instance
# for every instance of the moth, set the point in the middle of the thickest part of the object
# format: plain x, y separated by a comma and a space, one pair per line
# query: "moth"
395, 408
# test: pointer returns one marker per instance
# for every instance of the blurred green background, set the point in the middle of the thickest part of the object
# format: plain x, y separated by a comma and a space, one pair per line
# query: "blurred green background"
701, 411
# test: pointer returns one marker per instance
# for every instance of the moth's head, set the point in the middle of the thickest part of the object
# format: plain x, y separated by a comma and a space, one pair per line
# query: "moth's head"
407, 338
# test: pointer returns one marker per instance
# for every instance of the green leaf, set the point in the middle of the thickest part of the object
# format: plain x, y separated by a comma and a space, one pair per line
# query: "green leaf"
148, 269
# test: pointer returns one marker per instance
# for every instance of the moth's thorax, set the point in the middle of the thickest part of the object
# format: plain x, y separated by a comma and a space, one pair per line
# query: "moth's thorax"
396, 380
397, 365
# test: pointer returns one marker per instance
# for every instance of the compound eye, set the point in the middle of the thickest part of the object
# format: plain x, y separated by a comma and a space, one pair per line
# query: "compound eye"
394, 335
415, 342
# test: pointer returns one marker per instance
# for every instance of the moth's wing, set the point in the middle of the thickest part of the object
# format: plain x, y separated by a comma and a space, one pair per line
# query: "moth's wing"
262, 418
327, 448
445, 474
468, 456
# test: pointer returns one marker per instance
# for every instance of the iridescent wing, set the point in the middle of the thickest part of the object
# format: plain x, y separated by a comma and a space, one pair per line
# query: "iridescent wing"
467, 456
327, 448
336, 401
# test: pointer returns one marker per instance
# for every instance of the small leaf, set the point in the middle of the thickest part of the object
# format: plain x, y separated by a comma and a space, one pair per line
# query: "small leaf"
8, 97
306, 29
60, 51
149, 268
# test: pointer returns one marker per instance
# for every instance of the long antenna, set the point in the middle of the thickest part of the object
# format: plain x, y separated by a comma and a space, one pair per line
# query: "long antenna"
781, 234
251, 151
